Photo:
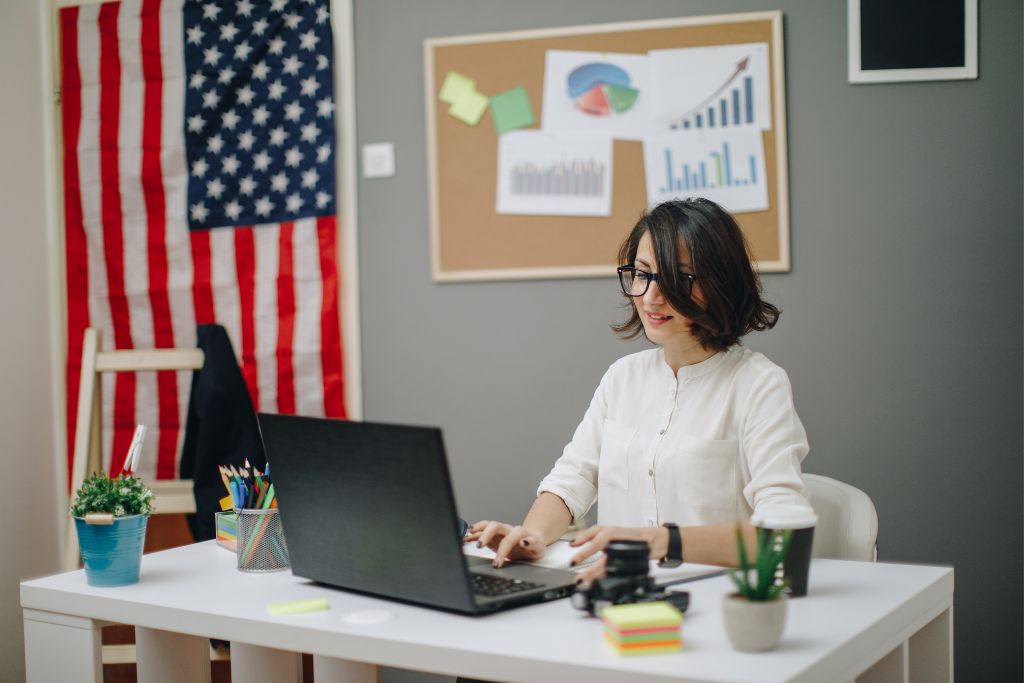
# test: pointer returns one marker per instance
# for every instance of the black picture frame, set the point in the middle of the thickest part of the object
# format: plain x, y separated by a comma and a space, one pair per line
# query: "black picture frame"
912, 40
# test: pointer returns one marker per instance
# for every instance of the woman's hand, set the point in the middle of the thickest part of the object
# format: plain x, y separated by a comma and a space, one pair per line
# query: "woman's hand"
597, 538
508, 542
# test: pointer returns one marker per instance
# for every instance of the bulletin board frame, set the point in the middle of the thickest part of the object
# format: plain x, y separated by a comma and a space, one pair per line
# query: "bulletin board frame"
470, 241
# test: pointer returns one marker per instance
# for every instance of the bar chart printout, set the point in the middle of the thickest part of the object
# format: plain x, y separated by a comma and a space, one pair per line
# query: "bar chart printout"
570, 178
555, 174
726, 167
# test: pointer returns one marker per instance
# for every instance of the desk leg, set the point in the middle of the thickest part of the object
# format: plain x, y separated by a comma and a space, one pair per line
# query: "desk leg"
166, 657
891, 668
931, 650
59, 647
926, 656
255, 664
330, 670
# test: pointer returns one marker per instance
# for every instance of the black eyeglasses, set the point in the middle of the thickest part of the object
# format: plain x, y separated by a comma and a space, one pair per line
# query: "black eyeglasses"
636, 282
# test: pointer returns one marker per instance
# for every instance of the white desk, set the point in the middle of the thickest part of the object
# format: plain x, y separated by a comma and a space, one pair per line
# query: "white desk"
861, 621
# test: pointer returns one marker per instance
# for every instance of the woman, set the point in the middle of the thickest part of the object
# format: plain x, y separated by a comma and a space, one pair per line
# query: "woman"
698, 432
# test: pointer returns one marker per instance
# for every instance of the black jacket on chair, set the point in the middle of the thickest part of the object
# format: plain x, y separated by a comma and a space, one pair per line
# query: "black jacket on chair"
221, 428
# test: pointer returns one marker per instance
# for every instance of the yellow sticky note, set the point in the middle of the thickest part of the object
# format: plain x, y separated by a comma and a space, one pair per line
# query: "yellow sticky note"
469, 108
455, 86
278, 609
641, 615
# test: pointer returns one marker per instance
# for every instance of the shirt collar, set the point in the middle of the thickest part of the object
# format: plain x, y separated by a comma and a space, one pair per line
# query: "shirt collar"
697, 369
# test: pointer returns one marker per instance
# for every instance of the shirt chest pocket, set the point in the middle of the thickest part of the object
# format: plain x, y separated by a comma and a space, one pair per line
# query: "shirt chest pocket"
613, 468
706, 472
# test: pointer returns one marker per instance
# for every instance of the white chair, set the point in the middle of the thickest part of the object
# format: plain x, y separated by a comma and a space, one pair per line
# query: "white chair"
847, 521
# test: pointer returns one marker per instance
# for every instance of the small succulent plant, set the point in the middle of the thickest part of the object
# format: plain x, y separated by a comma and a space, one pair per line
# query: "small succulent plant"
126, 495
756, 582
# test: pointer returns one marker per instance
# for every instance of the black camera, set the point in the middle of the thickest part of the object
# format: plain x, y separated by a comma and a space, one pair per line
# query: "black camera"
625, 581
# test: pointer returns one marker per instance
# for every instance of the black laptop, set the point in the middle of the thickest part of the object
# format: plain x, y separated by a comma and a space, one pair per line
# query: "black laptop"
369, 508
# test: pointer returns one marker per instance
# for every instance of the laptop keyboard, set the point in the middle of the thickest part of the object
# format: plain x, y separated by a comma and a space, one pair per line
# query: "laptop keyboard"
497, 586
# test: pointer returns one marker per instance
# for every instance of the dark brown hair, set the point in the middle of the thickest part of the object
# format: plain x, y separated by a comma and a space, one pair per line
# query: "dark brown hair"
732, 304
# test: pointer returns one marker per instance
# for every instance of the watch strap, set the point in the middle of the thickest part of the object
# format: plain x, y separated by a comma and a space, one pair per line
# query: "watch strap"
674, 555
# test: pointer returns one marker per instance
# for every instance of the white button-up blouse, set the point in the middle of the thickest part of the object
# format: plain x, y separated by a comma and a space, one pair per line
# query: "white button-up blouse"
710, 444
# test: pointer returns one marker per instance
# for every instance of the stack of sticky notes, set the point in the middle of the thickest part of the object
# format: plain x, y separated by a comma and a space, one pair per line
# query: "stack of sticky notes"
643, 628
467, 105
227, 528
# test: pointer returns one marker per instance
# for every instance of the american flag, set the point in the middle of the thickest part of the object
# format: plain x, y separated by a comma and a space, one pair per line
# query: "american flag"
199, 186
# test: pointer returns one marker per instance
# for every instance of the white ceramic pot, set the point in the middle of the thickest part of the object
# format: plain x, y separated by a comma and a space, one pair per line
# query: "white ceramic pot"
754, 626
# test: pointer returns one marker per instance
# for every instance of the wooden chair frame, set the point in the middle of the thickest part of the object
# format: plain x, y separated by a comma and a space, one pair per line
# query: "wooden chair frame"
170, 496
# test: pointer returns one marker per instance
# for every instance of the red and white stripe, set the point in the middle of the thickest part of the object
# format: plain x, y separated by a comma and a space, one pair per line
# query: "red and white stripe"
137, 273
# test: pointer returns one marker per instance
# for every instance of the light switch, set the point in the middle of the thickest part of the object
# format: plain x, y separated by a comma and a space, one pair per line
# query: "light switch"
379, 160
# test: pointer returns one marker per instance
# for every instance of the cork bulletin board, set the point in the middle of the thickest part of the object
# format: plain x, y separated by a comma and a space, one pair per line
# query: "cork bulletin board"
471, 241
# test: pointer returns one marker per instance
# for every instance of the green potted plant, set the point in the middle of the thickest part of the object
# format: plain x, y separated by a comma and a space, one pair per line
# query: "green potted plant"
110, 517
755, 615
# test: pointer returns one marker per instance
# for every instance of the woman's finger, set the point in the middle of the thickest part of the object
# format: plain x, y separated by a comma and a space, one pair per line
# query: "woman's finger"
598, 542
584, 554
491, 534
534, 551
585, 535
594, 571
508, 544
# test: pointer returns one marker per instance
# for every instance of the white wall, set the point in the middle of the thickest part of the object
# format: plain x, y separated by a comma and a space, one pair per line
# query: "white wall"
28, 511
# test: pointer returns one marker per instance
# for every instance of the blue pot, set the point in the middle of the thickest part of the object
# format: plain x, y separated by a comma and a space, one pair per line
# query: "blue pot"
112, 553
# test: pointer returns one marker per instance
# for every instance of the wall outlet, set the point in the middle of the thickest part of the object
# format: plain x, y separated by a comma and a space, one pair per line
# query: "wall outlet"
379, 160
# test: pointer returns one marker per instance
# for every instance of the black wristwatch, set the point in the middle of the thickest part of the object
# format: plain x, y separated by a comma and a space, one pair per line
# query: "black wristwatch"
674, 557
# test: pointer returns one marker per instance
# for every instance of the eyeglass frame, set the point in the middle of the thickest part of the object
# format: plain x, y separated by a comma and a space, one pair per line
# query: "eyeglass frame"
649, 277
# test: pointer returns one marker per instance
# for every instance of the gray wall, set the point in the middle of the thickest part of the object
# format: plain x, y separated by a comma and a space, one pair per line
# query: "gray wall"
902, 323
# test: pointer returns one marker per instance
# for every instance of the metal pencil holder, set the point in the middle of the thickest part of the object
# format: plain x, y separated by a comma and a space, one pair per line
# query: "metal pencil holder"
260, 541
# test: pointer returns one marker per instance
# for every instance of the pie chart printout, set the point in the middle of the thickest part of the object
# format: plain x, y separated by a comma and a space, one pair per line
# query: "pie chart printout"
601, 89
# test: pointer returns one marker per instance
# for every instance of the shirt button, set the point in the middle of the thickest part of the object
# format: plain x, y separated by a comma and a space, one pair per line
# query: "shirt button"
650, 473
661, 432
650, 522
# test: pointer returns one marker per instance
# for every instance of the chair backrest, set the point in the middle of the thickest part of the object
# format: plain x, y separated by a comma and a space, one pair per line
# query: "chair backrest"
172, 496
847, 521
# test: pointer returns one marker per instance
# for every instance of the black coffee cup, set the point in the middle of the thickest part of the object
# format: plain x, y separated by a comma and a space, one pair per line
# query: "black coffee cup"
800, 520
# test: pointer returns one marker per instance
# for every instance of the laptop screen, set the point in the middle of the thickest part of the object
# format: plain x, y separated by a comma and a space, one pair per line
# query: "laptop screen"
368, 507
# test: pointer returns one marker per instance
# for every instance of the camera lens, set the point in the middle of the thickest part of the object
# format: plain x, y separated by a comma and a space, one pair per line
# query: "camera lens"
627, 558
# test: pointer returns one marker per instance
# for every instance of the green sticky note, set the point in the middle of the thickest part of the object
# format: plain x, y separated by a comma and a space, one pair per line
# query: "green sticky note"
278, 609
511, 110
455, 86
469, 107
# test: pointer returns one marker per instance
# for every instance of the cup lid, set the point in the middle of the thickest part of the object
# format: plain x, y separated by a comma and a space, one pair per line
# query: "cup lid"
784, 516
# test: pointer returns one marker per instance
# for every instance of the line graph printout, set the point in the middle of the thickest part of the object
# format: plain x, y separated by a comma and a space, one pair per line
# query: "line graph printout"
711, 87
724, 165
555, 174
